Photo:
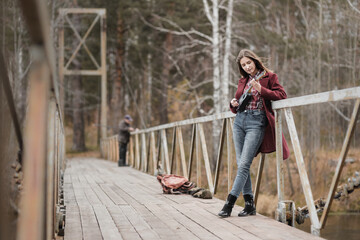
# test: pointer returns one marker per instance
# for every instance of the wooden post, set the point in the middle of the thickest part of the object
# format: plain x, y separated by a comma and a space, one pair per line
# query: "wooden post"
173, 150
117, 148
198, 161
206, 159
177, 157
148, 153
105, 149
182, 152
114, 148
279, 156
57, 161
61, 60
137, 152
110, 149
158, 156
165, 151
50, 164
111, 143
192, 145
153, 150
315, 224
143, 153
33, 199
229, 145
258, 177
219, 156
340, 165
131, 152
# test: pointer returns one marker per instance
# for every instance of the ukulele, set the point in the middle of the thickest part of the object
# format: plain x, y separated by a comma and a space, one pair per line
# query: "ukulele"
245, 98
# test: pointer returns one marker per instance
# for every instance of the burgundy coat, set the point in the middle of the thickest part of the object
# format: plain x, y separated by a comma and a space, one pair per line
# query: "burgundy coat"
271, 90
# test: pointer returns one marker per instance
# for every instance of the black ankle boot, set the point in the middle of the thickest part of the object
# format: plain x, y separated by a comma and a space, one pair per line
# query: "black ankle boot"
249, 207
229, 204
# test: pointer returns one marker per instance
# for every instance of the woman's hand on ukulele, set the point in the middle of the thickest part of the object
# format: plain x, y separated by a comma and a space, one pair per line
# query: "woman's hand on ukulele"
234, 102
256, 85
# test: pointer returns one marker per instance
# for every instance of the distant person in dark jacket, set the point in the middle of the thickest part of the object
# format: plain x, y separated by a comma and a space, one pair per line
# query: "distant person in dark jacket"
124, 136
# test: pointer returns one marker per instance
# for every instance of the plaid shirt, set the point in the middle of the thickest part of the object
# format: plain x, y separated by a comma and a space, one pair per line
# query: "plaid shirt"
256, 101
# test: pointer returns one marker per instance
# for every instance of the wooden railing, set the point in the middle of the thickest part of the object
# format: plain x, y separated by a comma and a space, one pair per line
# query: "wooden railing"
110, 148
286, 105
41, 211
149, 151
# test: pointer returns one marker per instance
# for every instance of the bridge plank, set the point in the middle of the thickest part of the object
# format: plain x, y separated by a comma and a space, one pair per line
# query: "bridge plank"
106, 223
117, 199
73, 223
135, 197
190, 210
125, 227
176, 227
202, 210
90, 226
73, 220
246, 224
189, 223
137, 221
107, 202
260, 225
91, 196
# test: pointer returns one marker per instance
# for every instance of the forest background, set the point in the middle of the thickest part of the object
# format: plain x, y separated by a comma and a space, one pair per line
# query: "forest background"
173, 60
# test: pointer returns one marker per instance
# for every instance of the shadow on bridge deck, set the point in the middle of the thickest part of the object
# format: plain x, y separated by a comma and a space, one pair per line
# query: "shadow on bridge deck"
104, 201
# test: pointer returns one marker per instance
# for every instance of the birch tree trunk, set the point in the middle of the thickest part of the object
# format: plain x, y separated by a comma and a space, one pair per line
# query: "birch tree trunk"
316, 116
220, 79
125, 91
226, 68
213, 17
165, 79
149, 73
149, 86
356, 42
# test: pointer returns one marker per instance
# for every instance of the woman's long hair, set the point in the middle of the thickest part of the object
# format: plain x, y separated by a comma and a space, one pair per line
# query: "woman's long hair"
250, 54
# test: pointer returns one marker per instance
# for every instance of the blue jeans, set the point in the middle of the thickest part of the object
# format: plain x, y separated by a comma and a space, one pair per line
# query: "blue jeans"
122, 154
248, 132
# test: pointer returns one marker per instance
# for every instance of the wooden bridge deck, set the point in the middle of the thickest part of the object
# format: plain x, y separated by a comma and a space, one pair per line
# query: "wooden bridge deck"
104, 201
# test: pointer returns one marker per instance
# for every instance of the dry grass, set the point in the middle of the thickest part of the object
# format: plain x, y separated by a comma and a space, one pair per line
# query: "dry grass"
266, 204
87, 154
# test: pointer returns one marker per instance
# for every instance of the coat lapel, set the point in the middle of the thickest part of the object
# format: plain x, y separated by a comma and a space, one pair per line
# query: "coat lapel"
242, 83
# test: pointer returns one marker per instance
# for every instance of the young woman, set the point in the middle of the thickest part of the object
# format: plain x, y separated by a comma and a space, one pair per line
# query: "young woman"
254, 127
